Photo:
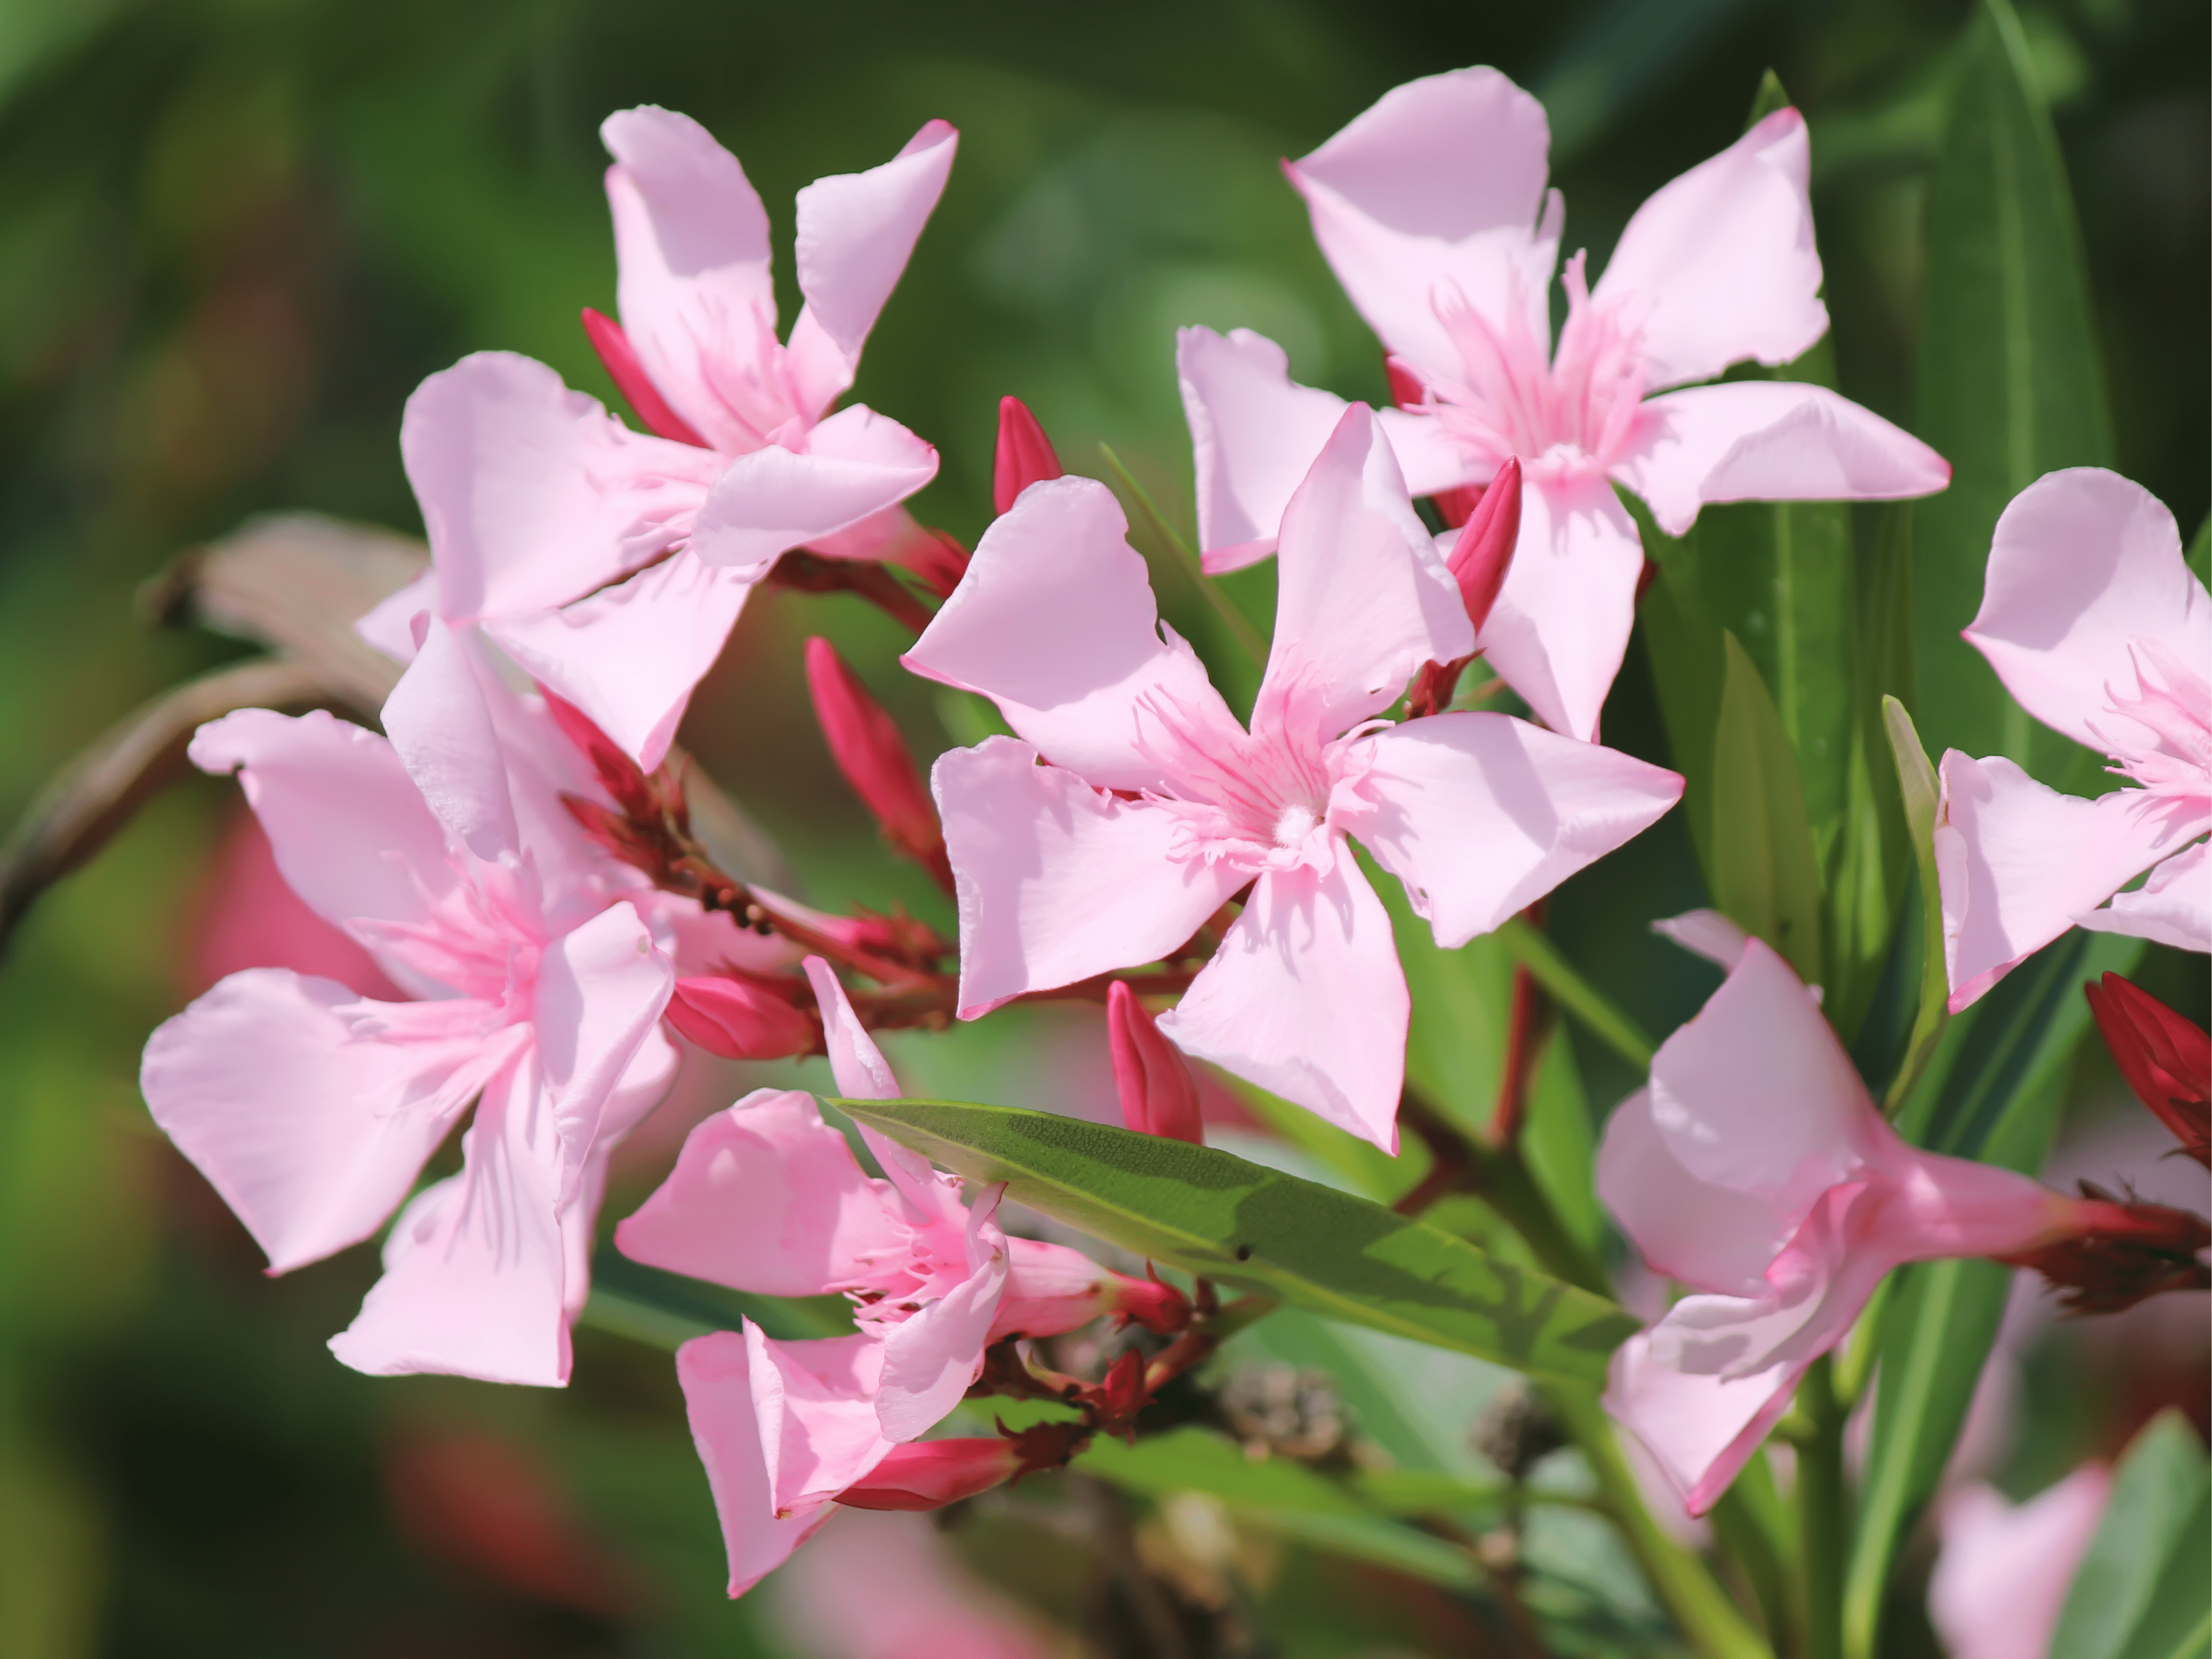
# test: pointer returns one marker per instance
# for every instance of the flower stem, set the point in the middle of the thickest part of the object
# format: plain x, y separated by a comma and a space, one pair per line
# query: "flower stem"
1575, 993
1822, 1511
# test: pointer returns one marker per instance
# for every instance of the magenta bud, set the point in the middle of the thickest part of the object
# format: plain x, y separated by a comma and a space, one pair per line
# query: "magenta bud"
1159, 1096
1484, 551
927, 1474
738, 1019
867, 745
620, 359
1408, 389
2166, 1058
1024, 455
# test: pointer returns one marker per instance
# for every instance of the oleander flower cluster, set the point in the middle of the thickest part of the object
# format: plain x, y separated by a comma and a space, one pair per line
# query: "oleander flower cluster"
519, 850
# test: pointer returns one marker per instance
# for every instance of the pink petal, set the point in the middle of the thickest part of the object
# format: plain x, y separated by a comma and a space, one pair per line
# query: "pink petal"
312, 1137
1561, 623
477, 1268
532, 494
1706, 933
815, 1403
853, 464
1713, 1237
1719, 264
1255, 434
696, 297
1305, 998
1052, 1289
2002, 1576
1438, 187
716, 1375
2018, 861
1059, 881
629, 654
765, 1197
856, 232
390, 625
1769, 441
2172, 907
863, 1073
2084, 564
347, 825
1700, 1430
1481, 815
931, 1359
599, 993
440, 723
923, 1601
1362, 598
1055, 622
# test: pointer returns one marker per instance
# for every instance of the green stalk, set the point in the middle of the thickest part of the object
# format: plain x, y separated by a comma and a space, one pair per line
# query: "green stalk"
1822, 1506
1754, 1525
1575, 993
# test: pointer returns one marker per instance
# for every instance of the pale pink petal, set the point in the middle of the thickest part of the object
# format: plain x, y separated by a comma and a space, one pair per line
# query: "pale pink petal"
1305, 998
1719, 264
1700, 1430
2085, 564
629, 654
856, 232
1768, 440
1438, 188
1050, 1289
347, 825
765, 1197
440, 722
715, 1372
1706, 933
2172, 907
696, 297
1716, 1082
246, 916
2003, 1574
390, 625
1561, 623
921, 1602
1481, 815
2018, 861
533, 494
930, 1359
312, 1137
1255, 435
599, 991
1055, 622
1714, 1238
853, 464
1059, 881
476, 1270
1362, 599
816, 1402
863, 1073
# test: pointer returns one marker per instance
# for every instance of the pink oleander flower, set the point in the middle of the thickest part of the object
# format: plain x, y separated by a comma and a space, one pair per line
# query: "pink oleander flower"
1756, 1170
1432, 211
1154, 807
765, 1197
2095, 625
313, 1109
611, 564
921, 1602
2003, 1574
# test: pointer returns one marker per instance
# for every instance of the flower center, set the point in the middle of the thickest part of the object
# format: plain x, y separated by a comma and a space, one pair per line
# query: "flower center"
2166, 744
1295, 824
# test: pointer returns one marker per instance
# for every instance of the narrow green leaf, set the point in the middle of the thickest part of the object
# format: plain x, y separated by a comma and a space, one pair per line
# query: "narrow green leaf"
1918, 786
1209, 1213
1199, 1460
2199, 556
1575, 993
2010, 383
1769, 98
666, 1310
1233, 621
2177, 1623
1687, 665
1766, 876
2156, 1491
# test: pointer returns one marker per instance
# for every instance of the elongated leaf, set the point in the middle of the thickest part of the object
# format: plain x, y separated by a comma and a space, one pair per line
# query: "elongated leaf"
1199, 1460
1918, 792
2158, 1490
2010, 383
1212, 1213
1765, 873
666, 1310
2199, 556
1687, 664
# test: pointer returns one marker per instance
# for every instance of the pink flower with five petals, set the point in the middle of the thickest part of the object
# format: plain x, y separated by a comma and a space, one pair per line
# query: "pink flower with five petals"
1432, 210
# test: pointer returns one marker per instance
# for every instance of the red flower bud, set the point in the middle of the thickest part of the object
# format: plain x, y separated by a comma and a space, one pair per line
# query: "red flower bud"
2116, 1254
927, 1474
1160, 1309
2166, 1058
869, 752
1159, 1096
636, 386
1484, 551
1025, 456
937, 558
740, 1018
1408, 389
617, 773
1458, 504
1122, 1395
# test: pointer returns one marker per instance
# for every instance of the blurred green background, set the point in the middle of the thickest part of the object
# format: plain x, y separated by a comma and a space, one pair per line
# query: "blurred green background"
235, 233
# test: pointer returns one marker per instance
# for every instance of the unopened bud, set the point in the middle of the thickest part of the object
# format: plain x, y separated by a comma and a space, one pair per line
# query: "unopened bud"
2166, 1058
937, 558
1024, 455
927, 1474
1408, 389
1484, 552
1159, 1096
1051, 1289
869, 751
1122, 1395
617, 773
620, 359
739, 1019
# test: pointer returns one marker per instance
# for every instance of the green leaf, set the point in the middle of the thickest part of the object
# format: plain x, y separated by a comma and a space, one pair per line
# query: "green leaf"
1198, 1459
2158, 1492
1769, 98
2011, 387
666, 1310
2199, 556
1919, 792
1687, 664
1209, 1213
1765, 876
